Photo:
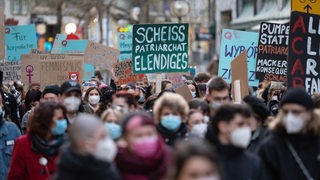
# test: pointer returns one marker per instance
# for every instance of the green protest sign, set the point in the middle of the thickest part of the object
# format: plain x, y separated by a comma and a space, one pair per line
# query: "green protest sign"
160, 48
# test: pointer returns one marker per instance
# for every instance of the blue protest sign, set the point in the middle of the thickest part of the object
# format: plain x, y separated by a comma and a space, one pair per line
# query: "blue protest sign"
56, 48
125, 45
20, 40
232, 44
88, 71
74, 46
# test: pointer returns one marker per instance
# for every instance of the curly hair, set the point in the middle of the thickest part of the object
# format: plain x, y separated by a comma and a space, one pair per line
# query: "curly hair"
40, 119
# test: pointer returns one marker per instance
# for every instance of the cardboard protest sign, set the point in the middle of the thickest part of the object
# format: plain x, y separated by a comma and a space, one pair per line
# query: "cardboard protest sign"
50, 69
272, 52
303, 58
101, 55
2, 34
19, 40
56, 47
160, 48
184, 92
177, 78
239, 73
125, 45
232, 44
123, 73
11, 70
37, 51
306, 6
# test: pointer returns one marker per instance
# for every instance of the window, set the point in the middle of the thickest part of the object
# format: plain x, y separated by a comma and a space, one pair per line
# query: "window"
19, 7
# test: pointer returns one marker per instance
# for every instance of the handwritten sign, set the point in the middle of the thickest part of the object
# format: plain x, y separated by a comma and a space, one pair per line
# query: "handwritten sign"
125, 45
240, 75
11, 70
73, 46
56, 47
160, 48
232, 44
123, 73
306, 6
303, 58
19, 40
177, 78
272, 52
2, 34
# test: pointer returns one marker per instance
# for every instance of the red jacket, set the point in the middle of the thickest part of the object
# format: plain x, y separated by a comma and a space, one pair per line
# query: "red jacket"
25, 162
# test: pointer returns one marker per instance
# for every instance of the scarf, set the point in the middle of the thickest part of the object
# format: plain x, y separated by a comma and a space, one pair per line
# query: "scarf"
46, 147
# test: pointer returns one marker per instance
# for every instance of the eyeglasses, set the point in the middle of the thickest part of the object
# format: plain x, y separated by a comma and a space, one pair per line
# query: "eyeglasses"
86, 84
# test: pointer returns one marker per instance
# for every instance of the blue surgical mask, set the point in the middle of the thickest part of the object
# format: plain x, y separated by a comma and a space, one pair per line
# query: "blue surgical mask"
114, 130
61, 127
171, 122
193, 94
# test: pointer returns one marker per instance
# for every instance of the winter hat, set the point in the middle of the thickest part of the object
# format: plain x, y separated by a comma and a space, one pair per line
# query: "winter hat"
69, 86
54, 89
258, 107
297, 96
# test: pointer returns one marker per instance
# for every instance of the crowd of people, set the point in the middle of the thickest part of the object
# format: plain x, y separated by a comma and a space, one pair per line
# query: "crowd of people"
96, 130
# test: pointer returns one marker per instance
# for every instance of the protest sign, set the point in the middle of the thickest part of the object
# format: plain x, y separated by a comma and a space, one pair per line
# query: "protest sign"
125, 45
184, 92
37, 51
303, 69
56, 47
2, 33
272, 52
73, 46
177, 78
240, 76
19, 40
50, 69
11, 70
306, 6
123, 73
232, 44
160, 48
101, 55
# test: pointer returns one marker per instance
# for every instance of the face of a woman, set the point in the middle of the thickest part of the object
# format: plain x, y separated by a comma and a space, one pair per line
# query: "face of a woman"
58, 115
94, 92
111, 118
141, 132
195, 118
198, 167
167, 111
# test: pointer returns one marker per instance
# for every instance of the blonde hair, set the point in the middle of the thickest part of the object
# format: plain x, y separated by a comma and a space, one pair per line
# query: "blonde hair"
312, 126
173, 101
107, 112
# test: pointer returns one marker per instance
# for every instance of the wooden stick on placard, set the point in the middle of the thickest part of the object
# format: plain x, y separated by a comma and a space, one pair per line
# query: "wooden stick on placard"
239, 74
158, 83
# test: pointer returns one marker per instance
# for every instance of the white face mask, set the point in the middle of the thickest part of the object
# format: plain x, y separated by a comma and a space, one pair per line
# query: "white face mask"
215, 105
199, 129
106, 150
206, 119
213, 177
94, 99
193, 94
241, 137
294, 124
72, 103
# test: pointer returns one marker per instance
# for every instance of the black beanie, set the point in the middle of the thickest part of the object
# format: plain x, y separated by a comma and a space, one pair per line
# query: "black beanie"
297, 96
258, 107
55, 89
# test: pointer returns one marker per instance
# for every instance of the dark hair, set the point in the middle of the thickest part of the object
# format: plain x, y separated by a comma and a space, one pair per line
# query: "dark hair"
86, 96
105, 100
98, 75
202, 77
227, 112
194, 147
200, 104
316, 100
217, 84
202, 89
188, 82
129, 97
40, 119
32, 96
164, 84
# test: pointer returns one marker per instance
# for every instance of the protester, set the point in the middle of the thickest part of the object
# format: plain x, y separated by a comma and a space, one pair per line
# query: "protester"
32, 100
258, 127
218, 92
9, 132
51, 93
105, 100
202, 77
145, 155
166, 84
196, 124
11, 104
195, 159
193, 88
97, 75
91, 152
112, 120
170, 114
292, 151
202, 106
71, 98
35, 153
91, 100
124, 101
230, 133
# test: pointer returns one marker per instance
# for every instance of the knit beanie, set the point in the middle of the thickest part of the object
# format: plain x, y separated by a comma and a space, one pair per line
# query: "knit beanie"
297, 96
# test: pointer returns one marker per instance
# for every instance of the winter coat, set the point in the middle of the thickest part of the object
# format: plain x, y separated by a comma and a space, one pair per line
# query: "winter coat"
25, 162
73, 166
257, 138
279, 161
171, 137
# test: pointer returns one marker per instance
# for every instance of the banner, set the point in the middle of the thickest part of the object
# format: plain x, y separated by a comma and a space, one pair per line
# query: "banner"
11, 70
125, 45
20, 40
303, 58
232, 44
123, 73
272, 52
160, 48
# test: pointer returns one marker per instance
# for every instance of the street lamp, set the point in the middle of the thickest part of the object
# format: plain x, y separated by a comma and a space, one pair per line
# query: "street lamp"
180, 8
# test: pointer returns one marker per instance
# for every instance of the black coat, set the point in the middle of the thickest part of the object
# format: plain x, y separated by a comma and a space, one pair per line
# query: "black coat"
279, 161
171, 137
237, 163
257, 138
73, 166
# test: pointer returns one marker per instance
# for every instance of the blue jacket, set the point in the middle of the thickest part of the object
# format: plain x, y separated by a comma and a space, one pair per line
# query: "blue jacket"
9, 132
